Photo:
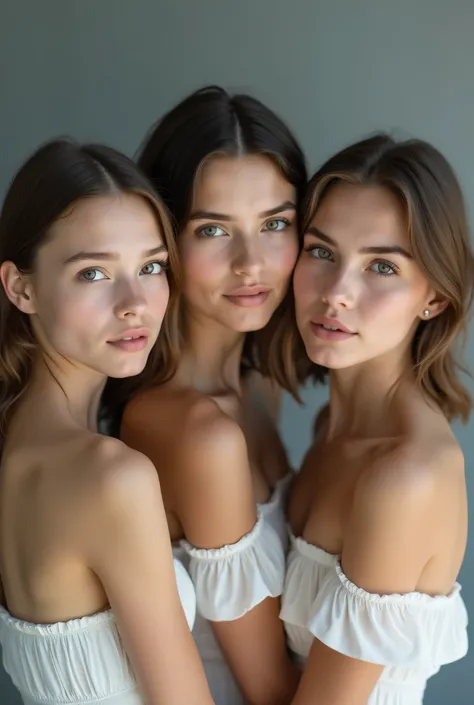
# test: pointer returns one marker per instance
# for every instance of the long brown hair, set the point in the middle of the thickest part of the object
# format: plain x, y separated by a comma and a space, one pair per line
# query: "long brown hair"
426, 185
57, 175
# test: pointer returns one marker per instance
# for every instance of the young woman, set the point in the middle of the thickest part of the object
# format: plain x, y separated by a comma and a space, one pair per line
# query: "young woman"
231, 174
85, 557
378, 514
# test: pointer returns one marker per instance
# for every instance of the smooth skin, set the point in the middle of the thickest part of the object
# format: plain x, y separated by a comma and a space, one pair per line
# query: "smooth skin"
82, 523
210, 431
383, 485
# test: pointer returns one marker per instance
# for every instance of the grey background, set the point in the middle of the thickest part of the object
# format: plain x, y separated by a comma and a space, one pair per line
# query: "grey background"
334, 70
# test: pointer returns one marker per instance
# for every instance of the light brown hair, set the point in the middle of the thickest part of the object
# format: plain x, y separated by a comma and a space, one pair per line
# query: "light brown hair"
428, 189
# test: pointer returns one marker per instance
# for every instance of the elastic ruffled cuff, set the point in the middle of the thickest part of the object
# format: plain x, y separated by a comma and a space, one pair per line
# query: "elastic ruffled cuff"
408, 630
232, 580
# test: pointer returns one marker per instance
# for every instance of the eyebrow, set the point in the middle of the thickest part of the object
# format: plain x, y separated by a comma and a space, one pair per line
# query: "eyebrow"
81, 256
209, 215
375, 250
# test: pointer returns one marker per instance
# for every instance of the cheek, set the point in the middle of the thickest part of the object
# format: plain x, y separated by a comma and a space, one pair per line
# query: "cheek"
204, 266
395, 306
281, 257
158, 296
72, 316
305, 284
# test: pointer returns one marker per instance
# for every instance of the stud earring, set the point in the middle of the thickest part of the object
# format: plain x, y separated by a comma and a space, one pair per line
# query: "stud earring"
426, 312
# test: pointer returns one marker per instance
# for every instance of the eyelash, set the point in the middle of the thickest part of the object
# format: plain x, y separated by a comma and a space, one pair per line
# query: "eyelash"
200, 231
280, 220
164, 264
312, 248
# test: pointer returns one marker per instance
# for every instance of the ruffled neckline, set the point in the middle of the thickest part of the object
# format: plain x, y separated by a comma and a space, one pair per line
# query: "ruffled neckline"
57, 628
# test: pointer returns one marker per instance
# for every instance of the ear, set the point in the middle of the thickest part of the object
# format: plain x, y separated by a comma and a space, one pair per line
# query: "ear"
18, 288
433, 308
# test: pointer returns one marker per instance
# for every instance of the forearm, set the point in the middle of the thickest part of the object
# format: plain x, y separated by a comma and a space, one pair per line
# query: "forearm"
255, 650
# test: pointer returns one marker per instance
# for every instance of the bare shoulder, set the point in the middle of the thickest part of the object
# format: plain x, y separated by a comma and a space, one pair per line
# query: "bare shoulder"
185, 433
113, 472
407, 513
210, 475
422, 470
207, 434
183, 411
141, 410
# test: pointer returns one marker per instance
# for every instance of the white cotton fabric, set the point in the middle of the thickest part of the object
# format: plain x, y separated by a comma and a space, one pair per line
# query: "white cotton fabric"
412, 635
231, 580
79, 661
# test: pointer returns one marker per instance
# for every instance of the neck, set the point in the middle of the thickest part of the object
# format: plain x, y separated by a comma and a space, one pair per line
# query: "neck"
362, 397
211, 359
72, 390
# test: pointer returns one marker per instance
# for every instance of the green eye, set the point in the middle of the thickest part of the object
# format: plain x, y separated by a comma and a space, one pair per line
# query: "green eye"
211, 231
320, 252
384, 269
90, 275
276, 224
154, 268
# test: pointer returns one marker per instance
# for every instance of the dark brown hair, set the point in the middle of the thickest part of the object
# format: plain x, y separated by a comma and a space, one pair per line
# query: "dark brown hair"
208, 123
426, 185
56, 176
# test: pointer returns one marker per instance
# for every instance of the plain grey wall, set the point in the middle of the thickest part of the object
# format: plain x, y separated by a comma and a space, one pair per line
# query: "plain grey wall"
335, 70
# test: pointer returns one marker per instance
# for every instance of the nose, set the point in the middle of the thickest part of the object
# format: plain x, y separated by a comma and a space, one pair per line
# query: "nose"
340, 291
248, 258
131, 301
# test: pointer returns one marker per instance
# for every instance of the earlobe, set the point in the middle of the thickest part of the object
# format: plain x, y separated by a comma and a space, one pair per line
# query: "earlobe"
17, 287
434, 308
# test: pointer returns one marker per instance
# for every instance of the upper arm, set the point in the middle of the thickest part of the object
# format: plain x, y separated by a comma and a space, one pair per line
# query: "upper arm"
131, 554
389, 535
206, 474
216, 508
213, 495
387, 541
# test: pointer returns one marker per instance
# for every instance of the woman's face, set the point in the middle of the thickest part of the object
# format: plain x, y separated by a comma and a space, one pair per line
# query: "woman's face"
239, 248
99, 291
359, 294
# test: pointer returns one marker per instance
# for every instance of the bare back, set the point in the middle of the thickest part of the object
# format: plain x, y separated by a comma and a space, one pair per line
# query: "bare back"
48, 477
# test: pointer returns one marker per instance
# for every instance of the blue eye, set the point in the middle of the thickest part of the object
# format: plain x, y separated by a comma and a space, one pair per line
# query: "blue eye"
384, 269
89, 275
319, 252
211, 231
154, 268
276, 224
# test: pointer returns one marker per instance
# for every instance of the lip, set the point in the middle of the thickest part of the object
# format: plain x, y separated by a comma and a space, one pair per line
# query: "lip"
138, 340
325, 321
342, 332
248, 296
253, 290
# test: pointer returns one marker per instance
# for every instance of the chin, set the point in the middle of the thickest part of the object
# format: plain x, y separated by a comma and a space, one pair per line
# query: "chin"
130, 369
327, 358
249, 323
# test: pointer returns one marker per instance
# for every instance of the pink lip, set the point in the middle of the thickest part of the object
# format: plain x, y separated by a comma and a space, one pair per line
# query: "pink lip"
248, 296
342, 332
139, 340
250, 290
